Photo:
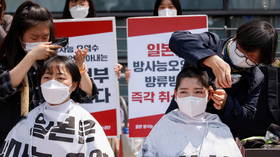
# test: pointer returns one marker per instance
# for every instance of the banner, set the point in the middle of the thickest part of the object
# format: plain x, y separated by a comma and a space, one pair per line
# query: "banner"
99, 36
154, 67
55, 131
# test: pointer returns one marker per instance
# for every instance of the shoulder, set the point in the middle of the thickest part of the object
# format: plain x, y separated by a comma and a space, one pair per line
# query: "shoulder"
258, 75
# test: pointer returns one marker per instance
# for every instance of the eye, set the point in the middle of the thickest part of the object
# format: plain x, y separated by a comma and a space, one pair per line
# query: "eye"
61, 78
199, 92
46, 77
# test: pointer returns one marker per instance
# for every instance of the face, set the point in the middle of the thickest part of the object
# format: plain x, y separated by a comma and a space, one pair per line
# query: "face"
253, 56
191, 87
73, 3
59, 72
38, 33
166, 4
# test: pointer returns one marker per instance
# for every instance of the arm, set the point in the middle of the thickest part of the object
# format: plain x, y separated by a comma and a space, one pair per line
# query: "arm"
9, 80
193, 48
42, 51
87, 90
201, 50
86, 84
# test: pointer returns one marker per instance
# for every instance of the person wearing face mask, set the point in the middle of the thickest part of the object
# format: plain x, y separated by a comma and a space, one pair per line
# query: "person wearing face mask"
68, 128
77, 9
255, 43
167, 8
161, 8
24, 49
189, 130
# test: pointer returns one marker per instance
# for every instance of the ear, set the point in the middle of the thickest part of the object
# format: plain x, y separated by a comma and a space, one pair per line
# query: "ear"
73, 87
210, 92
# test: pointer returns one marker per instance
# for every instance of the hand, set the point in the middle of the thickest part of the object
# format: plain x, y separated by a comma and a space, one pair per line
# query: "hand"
80, 57
219, 97
221, 70
127, 74
43, 51
117, 70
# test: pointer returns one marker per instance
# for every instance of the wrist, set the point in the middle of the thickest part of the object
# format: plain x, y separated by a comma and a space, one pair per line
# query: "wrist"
82, 68
31, 57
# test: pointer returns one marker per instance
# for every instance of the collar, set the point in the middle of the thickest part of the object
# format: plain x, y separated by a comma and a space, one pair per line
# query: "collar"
63, 108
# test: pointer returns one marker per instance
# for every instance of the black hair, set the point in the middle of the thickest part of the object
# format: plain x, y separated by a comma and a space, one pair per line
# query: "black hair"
27, 15
67, 15
258, 34
192, 72
69, 64
176, 3
3, 3
3, 8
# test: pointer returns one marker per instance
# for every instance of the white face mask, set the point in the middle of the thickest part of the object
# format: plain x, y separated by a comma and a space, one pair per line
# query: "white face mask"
167, 12
234, 55
29, 46
79, 11
192, 106
55, 92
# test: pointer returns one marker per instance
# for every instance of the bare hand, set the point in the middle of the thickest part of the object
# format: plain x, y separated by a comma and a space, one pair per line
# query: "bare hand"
80, 57
221, 70
219, 97
43, 51
117, 70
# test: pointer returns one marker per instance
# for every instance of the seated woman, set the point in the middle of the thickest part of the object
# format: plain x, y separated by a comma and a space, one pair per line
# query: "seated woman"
189, 130
59, 126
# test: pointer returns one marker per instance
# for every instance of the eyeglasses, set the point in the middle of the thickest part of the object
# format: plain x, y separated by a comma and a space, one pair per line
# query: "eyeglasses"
243, 55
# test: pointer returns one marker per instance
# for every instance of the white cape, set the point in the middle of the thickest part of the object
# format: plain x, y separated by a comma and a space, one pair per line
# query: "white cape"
66, 130
177, 134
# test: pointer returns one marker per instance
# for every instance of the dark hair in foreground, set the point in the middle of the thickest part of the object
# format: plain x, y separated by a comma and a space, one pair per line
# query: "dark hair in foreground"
192, 72
258, 34
176, 3
67, 15
27, 15
69, 64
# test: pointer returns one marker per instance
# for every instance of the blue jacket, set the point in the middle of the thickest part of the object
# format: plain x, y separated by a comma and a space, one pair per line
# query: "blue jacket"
240, 107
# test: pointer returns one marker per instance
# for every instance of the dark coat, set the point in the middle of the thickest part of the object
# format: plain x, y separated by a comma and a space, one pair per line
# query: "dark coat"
241, 104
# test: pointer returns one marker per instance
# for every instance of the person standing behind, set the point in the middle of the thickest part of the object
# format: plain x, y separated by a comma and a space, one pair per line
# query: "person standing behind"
254, 43
167, 8
78, 9
5, 20
161, 8
27, 44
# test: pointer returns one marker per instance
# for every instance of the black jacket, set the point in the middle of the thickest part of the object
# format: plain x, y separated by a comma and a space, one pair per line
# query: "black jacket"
240, 107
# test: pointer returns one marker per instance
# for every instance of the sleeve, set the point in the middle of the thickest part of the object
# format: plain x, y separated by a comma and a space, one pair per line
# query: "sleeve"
235, 110
6, 88
193, 48
82, 97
